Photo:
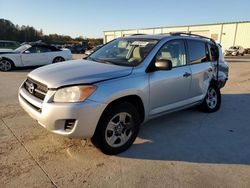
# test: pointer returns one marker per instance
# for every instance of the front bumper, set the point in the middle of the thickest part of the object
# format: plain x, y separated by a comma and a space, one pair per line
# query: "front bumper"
53, 116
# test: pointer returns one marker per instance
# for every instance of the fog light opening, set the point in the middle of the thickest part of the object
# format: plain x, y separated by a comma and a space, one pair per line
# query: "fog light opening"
69, 124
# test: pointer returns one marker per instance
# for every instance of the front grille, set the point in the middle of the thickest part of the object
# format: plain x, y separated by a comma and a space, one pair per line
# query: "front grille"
33, 106
35, 88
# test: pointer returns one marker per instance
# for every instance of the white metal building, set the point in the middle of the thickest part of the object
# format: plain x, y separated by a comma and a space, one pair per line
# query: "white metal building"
227, 34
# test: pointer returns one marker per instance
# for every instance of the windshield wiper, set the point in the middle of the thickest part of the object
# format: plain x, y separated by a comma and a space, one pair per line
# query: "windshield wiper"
90, 58
100, 60
104, 61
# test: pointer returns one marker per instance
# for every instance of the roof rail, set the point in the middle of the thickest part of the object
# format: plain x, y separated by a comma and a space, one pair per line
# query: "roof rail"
190, 34
138, 34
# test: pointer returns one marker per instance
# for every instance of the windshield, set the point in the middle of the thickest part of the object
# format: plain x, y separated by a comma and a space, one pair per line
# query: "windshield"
22, 48
234, 48
124, 51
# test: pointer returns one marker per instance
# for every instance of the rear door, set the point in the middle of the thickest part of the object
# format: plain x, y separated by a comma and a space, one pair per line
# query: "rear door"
169, 88
36, 55
201, 68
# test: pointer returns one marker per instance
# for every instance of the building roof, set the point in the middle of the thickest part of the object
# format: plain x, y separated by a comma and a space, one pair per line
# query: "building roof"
178, 26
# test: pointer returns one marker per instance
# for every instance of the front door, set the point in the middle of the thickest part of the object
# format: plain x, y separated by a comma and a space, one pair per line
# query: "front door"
34, 56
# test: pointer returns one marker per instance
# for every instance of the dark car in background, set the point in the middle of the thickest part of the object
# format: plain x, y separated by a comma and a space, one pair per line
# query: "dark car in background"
90, 51
78, 49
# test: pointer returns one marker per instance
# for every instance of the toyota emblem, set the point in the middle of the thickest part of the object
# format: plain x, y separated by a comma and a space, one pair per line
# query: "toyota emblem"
31, 88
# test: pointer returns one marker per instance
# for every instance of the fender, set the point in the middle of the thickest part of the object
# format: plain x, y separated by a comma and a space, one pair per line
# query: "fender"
15, 58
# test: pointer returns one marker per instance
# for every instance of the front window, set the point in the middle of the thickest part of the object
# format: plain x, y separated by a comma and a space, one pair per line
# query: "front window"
173, 51
22, 48
124, 51
38, 49
234, 48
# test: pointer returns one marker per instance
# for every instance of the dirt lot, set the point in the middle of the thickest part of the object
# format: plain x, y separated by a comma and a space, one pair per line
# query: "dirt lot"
183, 149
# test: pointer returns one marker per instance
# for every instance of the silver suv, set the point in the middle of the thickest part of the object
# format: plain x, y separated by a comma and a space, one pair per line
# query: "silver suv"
126, 82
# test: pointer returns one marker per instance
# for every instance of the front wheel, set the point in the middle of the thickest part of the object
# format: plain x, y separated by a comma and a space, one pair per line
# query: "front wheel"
117, 129
58, 59
6, 65
212, 101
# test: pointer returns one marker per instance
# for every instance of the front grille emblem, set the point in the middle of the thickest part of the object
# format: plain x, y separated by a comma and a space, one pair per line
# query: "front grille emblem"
31, 88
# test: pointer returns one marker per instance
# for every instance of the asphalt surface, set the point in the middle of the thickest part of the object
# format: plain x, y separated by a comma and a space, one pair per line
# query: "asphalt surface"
183, 149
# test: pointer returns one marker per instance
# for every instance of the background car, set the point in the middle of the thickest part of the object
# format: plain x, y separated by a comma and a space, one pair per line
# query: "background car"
78, 49
90, 51
235, 51
33, 54
247, 51
7, 44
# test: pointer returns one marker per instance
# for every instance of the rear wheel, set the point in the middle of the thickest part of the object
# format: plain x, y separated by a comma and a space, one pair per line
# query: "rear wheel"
6, 65
212, 101
58, 59
117, 129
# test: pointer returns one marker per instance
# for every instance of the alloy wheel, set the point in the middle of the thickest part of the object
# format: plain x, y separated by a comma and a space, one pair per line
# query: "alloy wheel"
119, 129
211, 98
5, 65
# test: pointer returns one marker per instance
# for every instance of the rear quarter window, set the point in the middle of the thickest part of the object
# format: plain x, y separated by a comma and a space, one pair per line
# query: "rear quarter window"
198, 52
213, 52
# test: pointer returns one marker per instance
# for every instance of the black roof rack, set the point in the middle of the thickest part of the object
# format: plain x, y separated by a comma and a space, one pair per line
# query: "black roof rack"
138, 34
190, 34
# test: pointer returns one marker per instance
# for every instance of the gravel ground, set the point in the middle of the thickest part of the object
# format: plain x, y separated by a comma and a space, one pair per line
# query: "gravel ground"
183, 149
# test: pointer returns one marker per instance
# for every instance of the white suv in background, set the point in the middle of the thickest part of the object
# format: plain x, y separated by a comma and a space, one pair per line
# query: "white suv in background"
235, 51
123, 84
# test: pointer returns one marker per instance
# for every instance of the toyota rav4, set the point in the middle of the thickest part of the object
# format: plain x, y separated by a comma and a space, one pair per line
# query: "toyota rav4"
126, 82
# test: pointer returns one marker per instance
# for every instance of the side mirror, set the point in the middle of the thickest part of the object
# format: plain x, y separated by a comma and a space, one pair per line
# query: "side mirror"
26, 51
163, 64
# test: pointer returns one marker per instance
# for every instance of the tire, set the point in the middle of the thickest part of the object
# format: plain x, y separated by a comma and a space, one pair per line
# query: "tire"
212, 101
6, 65
242, 54
58, 59
117, 129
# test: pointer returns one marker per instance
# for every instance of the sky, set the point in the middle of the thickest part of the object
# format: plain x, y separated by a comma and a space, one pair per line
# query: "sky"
89, 18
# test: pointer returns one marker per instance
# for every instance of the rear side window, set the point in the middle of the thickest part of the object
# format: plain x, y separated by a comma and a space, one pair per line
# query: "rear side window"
213, 52
198, 52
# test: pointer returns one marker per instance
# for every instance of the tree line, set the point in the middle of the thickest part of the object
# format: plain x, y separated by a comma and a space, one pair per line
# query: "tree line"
10, 31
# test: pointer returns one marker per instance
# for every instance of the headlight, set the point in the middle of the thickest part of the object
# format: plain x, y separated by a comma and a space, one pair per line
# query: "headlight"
74, 94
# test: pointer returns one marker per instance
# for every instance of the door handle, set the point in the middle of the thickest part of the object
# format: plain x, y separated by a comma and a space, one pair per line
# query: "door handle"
186, 74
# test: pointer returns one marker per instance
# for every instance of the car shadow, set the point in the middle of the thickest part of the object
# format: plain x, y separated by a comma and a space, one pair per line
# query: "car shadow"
192, 136
24, 69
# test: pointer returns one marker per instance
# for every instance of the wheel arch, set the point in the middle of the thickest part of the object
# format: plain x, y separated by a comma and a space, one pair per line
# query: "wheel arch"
57, 57
9, 59
133, 99
214, 82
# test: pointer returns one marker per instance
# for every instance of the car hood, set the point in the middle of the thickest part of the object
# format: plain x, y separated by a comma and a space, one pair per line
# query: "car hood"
77, 72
